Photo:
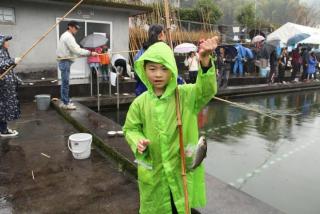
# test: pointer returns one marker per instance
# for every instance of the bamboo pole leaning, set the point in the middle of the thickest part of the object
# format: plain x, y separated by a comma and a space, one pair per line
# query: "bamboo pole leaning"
41, 38
76, 57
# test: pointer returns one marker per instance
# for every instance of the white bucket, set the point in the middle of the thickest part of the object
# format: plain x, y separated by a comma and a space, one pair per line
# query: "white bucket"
43, 101
80, 145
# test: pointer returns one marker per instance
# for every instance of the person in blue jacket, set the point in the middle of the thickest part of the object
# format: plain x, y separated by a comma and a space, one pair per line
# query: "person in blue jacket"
240, 59
155, 34
312, 63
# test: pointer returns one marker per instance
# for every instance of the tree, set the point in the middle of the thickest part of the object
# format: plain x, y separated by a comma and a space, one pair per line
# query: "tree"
204, 11
246, 16
282, 11
210, 12
190, 14
275, 12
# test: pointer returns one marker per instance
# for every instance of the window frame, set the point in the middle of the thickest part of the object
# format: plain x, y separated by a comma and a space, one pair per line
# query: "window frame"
3, 14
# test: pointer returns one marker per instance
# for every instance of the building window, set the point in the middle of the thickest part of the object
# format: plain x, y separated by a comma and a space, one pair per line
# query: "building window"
7, 15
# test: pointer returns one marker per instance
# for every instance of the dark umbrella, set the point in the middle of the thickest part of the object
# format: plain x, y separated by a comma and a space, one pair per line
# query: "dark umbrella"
93, 41
297, 38
230, 50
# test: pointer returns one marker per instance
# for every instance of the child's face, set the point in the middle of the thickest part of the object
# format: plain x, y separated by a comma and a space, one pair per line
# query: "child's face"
158, 75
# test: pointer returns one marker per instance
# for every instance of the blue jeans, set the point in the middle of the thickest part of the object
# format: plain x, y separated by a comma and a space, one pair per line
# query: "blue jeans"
64, 66
3, 126
238, 65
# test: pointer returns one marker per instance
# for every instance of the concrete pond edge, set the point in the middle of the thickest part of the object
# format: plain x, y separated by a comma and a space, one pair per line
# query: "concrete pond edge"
119, 158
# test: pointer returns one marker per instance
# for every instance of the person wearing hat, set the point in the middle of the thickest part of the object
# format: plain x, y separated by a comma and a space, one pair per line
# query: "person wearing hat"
9, 103
68, 48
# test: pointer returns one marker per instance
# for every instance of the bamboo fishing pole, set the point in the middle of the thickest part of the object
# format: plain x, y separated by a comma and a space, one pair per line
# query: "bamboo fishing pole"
75, 57
179, 121
244, 107
41, 38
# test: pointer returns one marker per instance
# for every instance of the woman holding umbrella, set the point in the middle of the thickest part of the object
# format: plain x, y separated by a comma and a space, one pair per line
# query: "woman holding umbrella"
192, 63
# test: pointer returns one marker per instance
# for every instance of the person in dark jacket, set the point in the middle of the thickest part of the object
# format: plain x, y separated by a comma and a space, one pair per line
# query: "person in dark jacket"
273, 66
296, 62
305, 60
9, 103
283, 63
223, 65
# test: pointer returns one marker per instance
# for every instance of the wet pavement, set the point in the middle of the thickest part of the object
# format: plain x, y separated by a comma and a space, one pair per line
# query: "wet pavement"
61, 184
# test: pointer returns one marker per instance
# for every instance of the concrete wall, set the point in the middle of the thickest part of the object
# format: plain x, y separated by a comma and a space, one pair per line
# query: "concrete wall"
33, 19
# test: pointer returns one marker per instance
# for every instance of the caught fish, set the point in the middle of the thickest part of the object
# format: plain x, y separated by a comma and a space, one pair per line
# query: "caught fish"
200, 153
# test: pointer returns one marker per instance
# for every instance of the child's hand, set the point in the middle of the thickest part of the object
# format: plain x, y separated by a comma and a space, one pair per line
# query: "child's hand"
206, 48
142, 145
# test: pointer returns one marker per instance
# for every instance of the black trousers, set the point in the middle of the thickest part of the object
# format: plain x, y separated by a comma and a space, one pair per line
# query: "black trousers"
305, 72
296, 69
193, 76
3, 126
173, 206
281, 74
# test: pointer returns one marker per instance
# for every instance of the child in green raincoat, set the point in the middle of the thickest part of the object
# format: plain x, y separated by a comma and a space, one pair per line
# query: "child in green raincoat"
152, 133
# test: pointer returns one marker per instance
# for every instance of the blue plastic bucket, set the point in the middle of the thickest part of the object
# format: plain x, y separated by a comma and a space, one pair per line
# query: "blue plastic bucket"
264, 72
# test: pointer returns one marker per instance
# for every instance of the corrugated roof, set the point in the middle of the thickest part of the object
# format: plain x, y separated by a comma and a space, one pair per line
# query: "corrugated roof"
134, 7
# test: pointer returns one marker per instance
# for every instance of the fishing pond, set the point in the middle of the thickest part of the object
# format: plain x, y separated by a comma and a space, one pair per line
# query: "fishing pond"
275, 161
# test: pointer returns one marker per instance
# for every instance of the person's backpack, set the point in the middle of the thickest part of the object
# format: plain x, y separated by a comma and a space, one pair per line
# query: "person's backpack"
105, 59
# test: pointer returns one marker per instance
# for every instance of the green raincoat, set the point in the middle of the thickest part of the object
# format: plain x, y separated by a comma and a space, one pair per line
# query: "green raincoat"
153, 118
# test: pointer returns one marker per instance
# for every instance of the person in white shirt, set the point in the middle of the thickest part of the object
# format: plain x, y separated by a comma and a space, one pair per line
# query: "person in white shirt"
68, 48
192, 62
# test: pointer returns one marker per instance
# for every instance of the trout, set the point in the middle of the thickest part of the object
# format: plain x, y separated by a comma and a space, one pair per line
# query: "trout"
200, 153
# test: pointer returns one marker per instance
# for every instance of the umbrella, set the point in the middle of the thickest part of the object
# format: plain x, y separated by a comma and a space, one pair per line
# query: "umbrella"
314, 40
316, 51
230, 50
268, 48
292, 41
258, 38
93, 41
185, 48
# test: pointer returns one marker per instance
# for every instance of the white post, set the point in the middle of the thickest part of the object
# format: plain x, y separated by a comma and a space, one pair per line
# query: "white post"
110, 70
118, 95
91, 91
98, 88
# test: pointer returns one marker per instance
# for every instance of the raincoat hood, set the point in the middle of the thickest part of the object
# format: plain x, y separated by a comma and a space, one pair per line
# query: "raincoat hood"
160, 53
3, 39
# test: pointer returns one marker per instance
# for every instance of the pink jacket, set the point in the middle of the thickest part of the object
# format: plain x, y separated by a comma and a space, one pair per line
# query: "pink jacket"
94, 59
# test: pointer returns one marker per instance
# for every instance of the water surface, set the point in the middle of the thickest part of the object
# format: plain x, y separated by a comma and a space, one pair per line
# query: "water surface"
274, 161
